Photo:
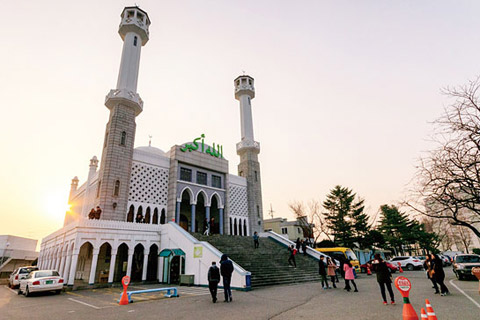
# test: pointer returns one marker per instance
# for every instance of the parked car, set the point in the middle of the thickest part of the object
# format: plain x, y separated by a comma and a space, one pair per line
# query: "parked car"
363, 267
19, 274
446, 260
410, 263
463, 264
41, 280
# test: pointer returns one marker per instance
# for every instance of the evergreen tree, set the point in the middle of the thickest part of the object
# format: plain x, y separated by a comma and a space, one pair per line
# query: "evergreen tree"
394, 227
360, 225
344, 216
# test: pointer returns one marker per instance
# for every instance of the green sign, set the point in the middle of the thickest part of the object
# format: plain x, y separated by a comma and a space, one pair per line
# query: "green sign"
215, 152
197, 252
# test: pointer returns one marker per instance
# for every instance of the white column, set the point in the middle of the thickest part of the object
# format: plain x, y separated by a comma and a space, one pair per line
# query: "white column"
145, 266
159, 269
66, 272
111, 272
129, 263
62, 264
73, 269
93, 269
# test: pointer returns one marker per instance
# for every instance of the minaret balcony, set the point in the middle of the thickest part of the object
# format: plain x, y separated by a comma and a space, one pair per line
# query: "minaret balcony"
248, 144
125, 97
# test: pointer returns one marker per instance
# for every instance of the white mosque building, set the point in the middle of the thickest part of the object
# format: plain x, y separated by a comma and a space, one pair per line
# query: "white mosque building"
173, 193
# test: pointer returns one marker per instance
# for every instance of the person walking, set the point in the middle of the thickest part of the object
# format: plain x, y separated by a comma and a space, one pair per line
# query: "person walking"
226, 270
439, 274
331, 267
428, 265
384, 278
349, 276
298, 244
206, 226
255, 240
304, 247
213, 280
322, 271
291, 257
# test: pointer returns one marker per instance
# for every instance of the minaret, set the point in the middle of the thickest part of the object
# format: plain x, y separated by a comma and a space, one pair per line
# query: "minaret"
88, 187
248, 150
124, 104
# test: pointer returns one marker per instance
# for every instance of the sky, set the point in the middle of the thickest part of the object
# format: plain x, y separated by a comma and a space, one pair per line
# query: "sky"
345, 92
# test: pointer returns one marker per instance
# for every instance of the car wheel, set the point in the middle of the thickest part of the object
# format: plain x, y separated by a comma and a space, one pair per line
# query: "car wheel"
19, 292
27, 292
410, 267
460, 277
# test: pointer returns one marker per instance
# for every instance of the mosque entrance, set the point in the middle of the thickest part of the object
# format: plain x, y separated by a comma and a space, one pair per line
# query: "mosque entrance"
173, 265
137, 263
121, 262
200, 214
185, 211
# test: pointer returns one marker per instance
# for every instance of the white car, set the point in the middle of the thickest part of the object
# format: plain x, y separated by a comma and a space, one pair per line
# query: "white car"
19, 274
41, 280
410, 263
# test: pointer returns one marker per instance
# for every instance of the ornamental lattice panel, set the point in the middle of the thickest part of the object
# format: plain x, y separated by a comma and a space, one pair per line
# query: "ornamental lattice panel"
148, 184
237, 199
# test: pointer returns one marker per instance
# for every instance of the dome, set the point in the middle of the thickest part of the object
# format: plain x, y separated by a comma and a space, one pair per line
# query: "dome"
150, 150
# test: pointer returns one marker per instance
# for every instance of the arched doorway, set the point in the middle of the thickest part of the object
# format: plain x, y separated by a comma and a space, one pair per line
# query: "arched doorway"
139, 216
215, 215
162, 217
245, 227
147, 215
240, 229
235, 226
185, 211
201, 213
152, 267
231, 227
121, 262
84, 262
103, 263
130, 213
155, 216
137, 263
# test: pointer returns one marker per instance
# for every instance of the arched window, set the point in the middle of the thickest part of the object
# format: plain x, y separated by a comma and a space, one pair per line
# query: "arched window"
130, 213
231, 230
162, 217
139, 216
135, 41
106, 139
240, 227
116, 191
124, 138
98, 188
155, 216
244, 227
235, 227
147, 215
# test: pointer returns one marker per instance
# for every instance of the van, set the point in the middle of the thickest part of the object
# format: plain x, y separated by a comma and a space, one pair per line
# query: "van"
342, 254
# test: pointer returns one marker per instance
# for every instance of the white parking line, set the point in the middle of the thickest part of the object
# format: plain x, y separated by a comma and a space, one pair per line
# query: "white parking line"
84, 303
466, 295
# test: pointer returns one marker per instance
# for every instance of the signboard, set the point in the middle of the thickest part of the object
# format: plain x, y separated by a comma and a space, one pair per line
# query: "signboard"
197, 252
403, 285
216, 152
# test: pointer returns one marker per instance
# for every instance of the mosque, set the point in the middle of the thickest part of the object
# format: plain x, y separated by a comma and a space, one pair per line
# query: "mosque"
152, 201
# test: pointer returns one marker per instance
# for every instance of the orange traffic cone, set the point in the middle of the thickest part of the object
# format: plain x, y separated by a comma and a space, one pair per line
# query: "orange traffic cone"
369, 273
404, 285
400, 268
424, 314
430, 313
124, 298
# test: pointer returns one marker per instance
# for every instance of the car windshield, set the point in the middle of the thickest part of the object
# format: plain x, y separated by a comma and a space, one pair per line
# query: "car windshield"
351, 255
468, 259
42, 274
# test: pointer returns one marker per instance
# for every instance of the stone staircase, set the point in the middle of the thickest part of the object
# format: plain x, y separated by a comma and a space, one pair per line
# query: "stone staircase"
268, 264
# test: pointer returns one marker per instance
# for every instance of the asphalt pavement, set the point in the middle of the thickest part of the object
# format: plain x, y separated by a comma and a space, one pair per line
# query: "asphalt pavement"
302, 301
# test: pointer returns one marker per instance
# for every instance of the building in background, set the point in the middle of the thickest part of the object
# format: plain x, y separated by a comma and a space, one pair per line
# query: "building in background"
16, 252
289, 229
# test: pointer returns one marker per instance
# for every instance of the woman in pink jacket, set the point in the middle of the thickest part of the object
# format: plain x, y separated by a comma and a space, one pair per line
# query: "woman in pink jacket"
347, 267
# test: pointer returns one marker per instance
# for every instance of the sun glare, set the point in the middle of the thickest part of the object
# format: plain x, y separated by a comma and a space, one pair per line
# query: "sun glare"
56, 205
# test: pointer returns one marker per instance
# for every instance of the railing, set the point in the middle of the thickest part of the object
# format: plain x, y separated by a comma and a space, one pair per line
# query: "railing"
275, 236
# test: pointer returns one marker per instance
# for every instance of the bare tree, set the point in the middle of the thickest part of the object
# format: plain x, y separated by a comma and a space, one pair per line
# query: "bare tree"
449, 176
310, 217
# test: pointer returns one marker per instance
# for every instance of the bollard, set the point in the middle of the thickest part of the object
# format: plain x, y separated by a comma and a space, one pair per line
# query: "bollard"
124, 299
404, 285
476, 273
400, 267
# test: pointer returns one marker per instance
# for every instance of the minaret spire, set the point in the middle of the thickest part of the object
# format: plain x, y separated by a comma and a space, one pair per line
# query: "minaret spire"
248, 150
125, 104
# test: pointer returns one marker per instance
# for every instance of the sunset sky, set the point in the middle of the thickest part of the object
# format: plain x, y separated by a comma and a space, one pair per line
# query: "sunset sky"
345, 92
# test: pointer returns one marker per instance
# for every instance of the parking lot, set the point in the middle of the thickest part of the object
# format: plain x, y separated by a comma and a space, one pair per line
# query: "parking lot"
302, 301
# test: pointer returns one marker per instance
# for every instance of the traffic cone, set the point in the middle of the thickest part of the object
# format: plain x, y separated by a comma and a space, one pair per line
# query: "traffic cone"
430, 313
424, 314
123, 299
400, 268
369, 273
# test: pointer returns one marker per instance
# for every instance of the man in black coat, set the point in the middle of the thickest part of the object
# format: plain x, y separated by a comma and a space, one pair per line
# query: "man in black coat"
226, 270
213, 280
322, 271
